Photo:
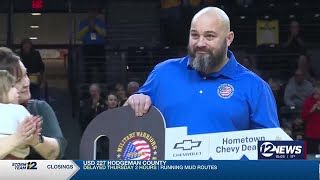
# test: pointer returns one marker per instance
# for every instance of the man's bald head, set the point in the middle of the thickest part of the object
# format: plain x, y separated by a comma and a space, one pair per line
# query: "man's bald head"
94, 90
209, 39
133, 87
95, 86
216, 14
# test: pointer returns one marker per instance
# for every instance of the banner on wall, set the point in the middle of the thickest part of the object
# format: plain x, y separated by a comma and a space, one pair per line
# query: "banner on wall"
267, 32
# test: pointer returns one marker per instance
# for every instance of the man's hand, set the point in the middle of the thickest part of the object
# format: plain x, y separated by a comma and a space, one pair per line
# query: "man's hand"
140, 103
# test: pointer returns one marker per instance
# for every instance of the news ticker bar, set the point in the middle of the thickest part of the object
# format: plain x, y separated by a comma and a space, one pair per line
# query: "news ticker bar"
99, 169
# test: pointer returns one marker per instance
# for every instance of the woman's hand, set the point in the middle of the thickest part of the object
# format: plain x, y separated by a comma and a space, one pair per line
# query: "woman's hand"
33, 139
24, 130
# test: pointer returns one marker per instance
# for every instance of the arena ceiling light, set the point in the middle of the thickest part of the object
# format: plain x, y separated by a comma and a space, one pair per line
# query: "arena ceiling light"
33, 38
36, 14
242, 17
34, 27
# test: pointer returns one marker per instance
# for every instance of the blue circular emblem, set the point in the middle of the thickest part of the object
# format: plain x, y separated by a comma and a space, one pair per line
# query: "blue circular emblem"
225, 91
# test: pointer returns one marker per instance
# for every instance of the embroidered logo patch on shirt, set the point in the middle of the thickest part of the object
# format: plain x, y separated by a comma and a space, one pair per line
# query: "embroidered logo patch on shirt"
225, 91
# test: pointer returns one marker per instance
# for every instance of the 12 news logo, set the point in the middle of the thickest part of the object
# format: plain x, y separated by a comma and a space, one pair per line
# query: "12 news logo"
28, 165
281, 150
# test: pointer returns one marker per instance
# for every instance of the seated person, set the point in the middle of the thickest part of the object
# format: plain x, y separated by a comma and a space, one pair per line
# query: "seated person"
132, 87
112, 101
304, 63
297, 90
91, 107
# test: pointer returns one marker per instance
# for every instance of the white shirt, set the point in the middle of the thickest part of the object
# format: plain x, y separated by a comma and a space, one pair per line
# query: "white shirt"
10, 116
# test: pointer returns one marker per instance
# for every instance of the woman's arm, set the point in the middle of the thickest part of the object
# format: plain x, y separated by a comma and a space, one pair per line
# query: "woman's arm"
49, 149
54, 143
46, 148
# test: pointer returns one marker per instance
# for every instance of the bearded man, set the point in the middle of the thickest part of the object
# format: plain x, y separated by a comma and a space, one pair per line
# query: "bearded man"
208, 91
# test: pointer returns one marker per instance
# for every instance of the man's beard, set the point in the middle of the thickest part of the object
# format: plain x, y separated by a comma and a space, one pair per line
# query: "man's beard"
205, 63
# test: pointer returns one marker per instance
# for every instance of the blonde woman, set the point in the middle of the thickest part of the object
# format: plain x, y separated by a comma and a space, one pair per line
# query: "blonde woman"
17, 125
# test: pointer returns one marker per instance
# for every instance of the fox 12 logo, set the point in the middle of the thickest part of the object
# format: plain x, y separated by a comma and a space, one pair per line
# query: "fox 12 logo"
281, 150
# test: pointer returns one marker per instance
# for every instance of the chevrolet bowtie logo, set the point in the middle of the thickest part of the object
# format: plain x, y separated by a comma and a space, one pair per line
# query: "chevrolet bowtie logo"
187, 145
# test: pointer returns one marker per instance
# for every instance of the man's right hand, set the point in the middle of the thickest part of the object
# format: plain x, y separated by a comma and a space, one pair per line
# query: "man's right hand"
140, 103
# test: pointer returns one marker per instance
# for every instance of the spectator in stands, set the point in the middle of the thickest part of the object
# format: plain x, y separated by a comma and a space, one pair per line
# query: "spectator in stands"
311, 117
121, 93
92, 30
297, 90
304, 64
92, 106
132, 87
249, 64
295, 42
32, 60
92, 33
51, 144
112, 101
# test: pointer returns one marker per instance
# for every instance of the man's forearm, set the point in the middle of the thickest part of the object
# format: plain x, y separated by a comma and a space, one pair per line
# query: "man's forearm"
49, 149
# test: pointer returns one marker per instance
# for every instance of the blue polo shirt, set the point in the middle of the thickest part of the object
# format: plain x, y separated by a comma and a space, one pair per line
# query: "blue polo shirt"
232, 99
